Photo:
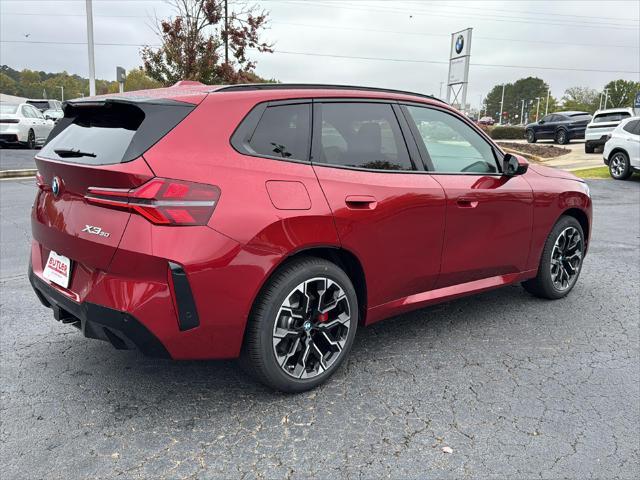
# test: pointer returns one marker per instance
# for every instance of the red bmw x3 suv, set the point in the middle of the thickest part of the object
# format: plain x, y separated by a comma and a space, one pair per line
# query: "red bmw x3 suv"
268, 222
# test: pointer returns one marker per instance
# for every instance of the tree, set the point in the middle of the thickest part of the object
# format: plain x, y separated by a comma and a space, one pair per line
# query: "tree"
137, 80
621, 93
195, 40
527, 89
581, 98
8, 85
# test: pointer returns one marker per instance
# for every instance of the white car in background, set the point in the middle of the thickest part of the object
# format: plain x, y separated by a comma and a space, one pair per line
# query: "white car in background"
601, 126
622, 149
23, 124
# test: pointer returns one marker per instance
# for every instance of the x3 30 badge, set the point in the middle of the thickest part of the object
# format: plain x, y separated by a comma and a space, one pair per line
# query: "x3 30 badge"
95, 231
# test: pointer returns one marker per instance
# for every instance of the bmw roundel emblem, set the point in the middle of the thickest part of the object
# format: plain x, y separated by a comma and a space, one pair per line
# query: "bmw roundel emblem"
55, 186
459, 44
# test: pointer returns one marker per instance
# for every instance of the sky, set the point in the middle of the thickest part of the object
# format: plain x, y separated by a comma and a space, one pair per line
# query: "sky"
398, 44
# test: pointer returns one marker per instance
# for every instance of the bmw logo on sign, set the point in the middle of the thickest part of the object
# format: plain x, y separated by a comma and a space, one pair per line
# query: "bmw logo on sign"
55, 186
459, 44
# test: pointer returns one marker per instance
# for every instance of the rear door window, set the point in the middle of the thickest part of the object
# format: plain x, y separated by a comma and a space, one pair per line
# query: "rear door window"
283, 132
632, 126
361, 135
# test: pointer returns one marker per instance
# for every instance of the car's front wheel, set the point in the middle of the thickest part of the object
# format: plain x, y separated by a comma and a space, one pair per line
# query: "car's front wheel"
561, 260
619, 166
302, 326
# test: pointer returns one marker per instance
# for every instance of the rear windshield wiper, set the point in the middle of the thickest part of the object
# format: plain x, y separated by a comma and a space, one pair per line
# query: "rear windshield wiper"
70, 152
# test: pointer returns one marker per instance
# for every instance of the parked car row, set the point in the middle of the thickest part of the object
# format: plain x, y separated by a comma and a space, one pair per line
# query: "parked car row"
561, 127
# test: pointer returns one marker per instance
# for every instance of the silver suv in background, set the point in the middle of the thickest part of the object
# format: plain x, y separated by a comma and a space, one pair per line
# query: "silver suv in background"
601, 126
51, 109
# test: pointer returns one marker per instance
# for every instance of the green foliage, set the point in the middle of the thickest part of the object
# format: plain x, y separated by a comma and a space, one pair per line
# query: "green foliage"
621, 93
137, 80
527, 89
506, 133
581, 98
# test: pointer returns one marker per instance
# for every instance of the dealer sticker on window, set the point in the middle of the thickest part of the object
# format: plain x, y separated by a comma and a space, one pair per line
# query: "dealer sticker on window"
58, 269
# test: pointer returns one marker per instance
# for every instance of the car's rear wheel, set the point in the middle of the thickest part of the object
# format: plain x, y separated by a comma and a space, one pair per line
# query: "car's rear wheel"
562, 137
561, 260
31, 140
302, 325
619, 166
531, 136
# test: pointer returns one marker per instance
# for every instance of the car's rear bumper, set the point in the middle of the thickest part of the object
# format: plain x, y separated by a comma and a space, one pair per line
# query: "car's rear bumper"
121, 329
596, 142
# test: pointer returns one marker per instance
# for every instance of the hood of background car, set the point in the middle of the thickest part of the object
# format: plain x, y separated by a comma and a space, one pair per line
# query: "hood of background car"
552, 172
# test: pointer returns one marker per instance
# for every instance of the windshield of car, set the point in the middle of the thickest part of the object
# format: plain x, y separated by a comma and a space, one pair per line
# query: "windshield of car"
6, 108
40, 104
580, 116
611, 117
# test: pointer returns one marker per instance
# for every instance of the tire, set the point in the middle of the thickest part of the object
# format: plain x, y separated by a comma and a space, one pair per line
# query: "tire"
31, 140
619, 166
531, 136
562, 137
589, 148
550, 282
289, 360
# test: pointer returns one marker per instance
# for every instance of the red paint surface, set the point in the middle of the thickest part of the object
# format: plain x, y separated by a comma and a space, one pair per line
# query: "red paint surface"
420, 238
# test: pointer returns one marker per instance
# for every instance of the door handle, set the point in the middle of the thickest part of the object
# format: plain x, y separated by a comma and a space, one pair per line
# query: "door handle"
466, 203
361, 202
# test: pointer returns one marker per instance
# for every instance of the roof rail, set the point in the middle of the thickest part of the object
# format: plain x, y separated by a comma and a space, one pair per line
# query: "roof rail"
314, 86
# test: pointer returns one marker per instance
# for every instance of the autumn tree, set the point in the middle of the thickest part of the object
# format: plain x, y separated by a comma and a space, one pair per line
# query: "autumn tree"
621, 93
206, 42
136, 79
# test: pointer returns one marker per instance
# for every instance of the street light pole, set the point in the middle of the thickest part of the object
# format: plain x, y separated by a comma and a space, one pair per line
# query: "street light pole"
606, 97
92, 64
546, 108
537, 108
501, 106
62, 93
522, 113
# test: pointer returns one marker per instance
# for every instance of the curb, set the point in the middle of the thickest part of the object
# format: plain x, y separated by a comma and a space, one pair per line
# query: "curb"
27, 172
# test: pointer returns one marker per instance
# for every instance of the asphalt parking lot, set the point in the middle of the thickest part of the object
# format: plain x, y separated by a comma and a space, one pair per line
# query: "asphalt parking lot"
17, 158
517, 387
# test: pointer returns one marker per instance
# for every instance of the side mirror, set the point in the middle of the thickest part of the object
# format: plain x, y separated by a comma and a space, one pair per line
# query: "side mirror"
540, 122
513, 165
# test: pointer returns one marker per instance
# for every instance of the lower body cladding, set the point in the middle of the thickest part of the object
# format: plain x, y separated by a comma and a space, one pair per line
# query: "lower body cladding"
194, 309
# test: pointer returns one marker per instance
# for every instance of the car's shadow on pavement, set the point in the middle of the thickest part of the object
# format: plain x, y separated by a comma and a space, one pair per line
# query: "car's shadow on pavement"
441, 331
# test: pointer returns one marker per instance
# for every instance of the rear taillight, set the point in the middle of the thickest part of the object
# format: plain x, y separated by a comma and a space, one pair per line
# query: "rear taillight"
162, 201
9, 120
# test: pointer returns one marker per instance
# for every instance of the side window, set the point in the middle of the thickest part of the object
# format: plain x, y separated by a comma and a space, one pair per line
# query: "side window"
361, 135
37, 113
557, 118
548, 118
632, 126
611, 117
283, 131
452, 145
26, 112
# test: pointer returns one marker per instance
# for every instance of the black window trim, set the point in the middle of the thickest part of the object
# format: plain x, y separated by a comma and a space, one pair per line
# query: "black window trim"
428, 164
246, 128
412, 150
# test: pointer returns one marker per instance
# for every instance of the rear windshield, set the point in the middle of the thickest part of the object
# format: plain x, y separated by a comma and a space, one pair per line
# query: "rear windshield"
42, 105
114, 132
611, 117
4, 108
580, 116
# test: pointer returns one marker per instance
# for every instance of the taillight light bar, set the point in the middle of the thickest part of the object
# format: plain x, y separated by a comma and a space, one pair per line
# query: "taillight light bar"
162, 201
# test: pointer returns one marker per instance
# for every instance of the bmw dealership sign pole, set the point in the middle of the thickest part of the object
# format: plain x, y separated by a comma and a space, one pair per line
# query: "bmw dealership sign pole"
459, 68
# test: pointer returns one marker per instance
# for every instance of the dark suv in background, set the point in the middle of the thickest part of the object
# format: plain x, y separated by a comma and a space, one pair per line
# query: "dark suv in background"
561, 127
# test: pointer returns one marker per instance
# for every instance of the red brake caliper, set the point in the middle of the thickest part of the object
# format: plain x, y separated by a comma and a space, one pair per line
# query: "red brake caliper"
323, 317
